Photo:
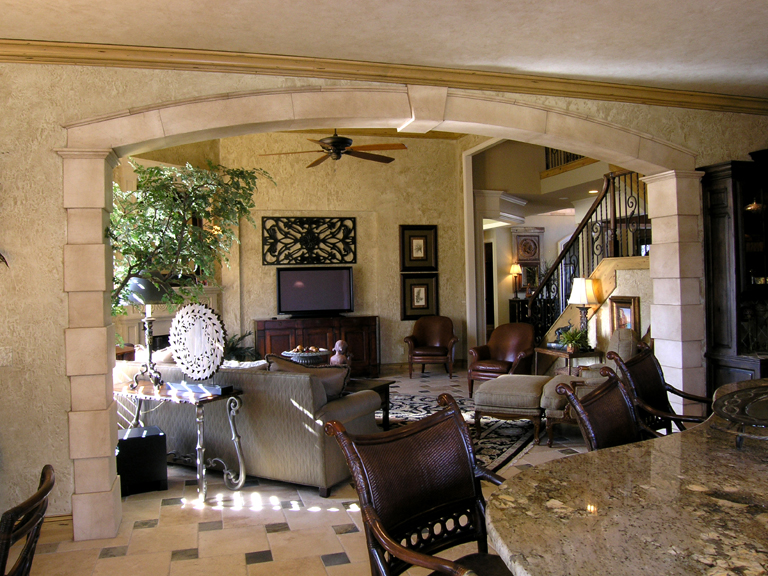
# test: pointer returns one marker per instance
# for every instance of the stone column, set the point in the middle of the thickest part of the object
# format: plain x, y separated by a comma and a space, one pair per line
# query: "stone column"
96, 506
677, 273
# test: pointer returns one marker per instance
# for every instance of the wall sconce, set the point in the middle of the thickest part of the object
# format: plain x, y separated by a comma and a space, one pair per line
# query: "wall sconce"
517, 272
583, 296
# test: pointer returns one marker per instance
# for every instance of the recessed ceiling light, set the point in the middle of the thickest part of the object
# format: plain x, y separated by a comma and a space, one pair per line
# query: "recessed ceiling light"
593, 191
562, 198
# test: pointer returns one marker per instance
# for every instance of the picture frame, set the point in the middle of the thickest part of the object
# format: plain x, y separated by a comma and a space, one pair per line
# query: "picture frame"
419, 296
625, 313
528, 249
418, 248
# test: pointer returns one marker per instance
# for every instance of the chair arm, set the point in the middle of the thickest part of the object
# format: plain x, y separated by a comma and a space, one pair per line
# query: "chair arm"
350, 407
411, 343
487, 475
519, 364
452, 342
406, 554
661, 414
687, 395
480, 353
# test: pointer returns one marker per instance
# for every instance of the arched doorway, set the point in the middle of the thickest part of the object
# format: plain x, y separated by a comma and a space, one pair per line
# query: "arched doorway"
93, 147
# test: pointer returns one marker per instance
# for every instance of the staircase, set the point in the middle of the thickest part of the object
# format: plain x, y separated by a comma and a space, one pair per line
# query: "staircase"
615, 227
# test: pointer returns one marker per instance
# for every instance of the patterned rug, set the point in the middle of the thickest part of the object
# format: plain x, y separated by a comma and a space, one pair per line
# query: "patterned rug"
500, 441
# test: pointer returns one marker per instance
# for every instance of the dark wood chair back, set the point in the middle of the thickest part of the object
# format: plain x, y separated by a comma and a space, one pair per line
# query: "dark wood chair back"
509, 340
606, 415
644, 378
419, 491
25, 521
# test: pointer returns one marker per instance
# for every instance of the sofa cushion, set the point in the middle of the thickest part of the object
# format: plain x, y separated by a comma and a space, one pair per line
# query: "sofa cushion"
511, 391
334, 378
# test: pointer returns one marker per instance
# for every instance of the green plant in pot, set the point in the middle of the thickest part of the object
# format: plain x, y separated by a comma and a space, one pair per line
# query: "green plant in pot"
574, 339
177, 225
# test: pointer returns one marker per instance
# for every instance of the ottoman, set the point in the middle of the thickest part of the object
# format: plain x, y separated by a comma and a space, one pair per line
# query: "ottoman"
511, 397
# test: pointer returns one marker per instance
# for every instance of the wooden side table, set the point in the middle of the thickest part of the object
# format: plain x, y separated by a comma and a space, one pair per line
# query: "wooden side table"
381, 387
563, 353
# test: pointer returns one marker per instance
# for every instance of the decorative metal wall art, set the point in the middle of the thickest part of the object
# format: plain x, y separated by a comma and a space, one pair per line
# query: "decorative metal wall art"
303, 240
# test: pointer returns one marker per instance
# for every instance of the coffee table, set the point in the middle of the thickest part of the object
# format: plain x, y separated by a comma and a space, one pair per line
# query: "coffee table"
381, 387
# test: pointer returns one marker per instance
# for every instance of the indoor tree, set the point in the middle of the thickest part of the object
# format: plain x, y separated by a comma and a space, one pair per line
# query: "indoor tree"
176, 225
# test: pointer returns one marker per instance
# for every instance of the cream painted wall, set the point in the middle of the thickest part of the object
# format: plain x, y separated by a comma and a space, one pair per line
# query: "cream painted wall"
38, 100
420, 187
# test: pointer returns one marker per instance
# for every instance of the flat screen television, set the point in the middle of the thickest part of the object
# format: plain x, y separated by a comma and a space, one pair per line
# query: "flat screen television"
315, 291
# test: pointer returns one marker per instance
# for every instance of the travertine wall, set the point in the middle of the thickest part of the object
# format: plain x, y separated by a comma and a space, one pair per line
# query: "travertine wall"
39, 100
420, 187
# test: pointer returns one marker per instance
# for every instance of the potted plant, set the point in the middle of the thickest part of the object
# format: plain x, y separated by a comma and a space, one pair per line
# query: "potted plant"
177, 226
574, 340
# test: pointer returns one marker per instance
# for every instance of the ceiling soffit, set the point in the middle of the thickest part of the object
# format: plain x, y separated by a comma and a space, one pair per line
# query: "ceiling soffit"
21, 51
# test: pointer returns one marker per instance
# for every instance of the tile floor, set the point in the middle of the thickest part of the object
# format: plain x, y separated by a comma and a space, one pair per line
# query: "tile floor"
266, 528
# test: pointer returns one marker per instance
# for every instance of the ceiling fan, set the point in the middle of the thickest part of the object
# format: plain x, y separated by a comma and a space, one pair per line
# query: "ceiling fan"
336, 146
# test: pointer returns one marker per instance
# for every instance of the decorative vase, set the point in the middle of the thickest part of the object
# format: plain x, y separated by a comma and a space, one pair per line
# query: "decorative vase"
571, 348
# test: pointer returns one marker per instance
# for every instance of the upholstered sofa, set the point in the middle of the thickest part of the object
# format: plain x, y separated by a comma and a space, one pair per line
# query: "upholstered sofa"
281, 421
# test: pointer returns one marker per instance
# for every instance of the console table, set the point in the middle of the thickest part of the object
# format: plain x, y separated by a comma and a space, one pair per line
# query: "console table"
562, 353
193, 394
274, 336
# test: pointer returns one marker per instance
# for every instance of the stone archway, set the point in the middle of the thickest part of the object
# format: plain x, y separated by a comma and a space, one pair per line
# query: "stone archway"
93, 147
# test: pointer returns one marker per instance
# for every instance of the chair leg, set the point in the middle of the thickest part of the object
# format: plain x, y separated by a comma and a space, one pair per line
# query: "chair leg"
478, 424
423, 366
410, 369
324, 492
449, 367
536, 429
469, 385
550, 432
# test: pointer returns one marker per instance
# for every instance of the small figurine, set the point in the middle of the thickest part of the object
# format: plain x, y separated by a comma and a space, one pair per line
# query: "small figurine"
341, 357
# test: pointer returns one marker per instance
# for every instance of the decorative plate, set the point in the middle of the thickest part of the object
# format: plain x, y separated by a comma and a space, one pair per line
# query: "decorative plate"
197, 339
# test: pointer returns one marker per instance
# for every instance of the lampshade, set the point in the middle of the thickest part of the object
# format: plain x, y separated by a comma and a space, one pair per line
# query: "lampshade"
583, 293
516, 270
143, 291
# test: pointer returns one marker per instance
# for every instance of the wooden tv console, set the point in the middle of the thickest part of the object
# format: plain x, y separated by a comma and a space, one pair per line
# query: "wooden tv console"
361, 333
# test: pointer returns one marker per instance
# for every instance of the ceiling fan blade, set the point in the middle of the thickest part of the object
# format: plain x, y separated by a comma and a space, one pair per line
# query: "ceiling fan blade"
284, 153
379, 147
366, 156
320, 160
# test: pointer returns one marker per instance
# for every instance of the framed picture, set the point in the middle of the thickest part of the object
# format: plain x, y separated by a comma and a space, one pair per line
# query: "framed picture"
528, 249
418, 248
418, 296
625, 313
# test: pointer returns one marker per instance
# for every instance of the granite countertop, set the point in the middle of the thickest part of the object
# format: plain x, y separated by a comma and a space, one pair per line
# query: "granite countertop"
688, 503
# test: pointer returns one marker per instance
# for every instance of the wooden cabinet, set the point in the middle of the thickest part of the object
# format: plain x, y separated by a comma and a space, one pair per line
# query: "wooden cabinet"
359, 332
735, 200
518, 310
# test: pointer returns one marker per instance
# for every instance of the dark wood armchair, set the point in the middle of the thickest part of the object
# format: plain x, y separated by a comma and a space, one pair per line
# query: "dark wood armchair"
25, 521
419, 491
432, 342
606, 415
644, 378
509, 351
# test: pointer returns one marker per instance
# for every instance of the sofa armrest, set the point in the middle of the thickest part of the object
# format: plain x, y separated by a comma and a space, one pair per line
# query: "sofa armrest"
350, 407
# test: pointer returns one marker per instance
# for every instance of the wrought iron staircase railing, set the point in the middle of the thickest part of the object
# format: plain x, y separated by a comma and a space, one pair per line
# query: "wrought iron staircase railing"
616, 226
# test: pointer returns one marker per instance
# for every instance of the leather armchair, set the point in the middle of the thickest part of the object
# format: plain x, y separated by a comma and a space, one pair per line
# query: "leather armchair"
509, 351
432, 342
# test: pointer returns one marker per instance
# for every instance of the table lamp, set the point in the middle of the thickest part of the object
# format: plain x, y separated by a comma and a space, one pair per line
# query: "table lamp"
583, 296
516, 272
144, 292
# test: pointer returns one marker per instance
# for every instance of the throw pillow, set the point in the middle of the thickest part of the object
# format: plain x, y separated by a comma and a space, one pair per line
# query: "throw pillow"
334, 378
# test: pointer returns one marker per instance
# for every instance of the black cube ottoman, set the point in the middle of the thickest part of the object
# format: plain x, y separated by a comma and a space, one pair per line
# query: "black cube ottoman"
141, 460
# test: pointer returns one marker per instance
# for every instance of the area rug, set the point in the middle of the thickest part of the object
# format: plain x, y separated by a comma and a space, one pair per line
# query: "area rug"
500, 441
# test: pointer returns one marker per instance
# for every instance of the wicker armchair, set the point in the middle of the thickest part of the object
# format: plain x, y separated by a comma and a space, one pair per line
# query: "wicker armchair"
417, 484
25, 521
432, 342
606, 415
644, 378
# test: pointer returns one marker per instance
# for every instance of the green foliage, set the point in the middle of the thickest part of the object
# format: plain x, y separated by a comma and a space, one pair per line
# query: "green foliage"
233, 350
575, 337
177, 225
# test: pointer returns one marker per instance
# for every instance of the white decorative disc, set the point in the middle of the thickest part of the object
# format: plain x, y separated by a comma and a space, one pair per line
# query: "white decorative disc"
197, 340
